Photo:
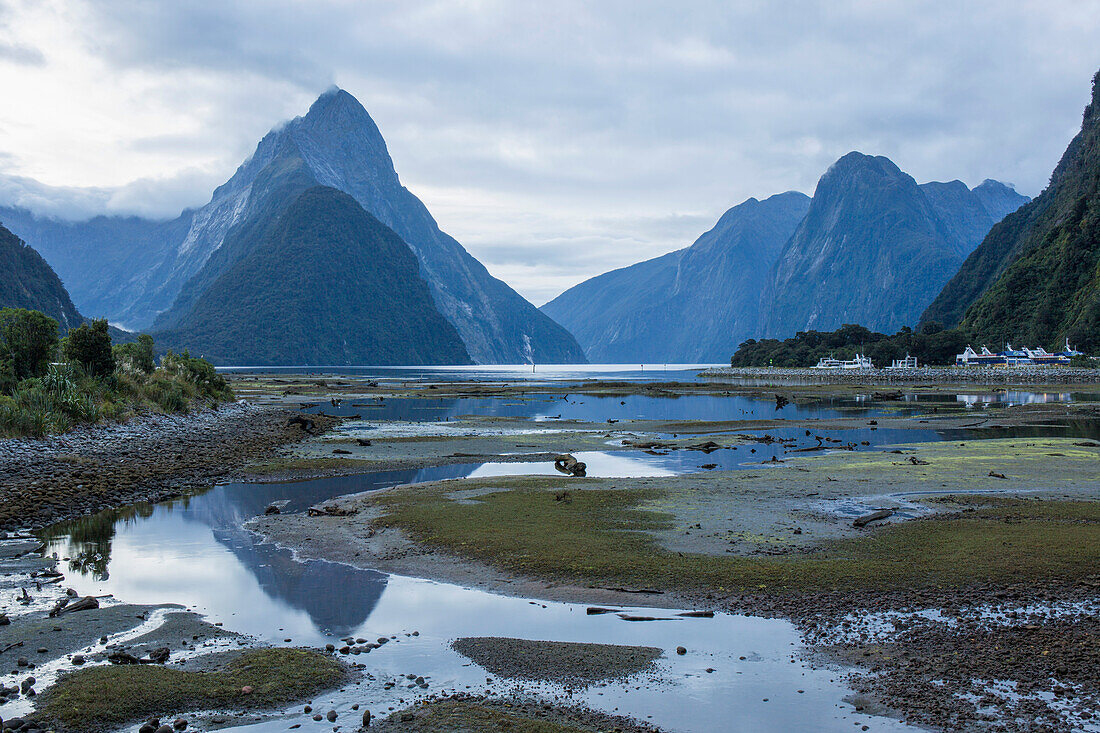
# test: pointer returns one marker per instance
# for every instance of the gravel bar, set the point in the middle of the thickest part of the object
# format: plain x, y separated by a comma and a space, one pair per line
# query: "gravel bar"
567, 663
150, 458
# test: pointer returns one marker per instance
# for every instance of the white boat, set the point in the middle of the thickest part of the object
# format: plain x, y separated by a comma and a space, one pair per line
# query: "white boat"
860, 362
969, 357
1069, 351
909, 362
1042, 356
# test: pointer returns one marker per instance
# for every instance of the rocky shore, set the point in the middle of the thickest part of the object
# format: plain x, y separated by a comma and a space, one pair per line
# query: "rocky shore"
152, 458
785, 377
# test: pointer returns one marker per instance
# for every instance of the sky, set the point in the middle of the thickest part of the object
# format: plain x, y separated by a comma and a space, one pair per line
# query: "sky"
554, 140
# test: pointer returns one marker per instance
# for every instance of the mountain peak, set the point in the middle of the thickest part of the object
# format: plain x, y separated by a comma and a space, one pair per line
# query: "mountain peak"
990, 184
856, 160
336, 104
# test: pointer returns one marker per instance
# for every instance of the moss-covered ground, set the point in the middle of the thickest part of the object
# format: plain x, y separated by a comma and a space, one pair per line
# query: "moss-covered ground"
609, 536
480, 716
105, 697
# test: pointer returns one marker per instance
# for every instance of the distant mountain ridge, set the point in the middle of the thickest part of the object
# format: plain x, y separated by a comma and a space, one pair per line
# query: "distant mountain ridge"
322, 283
875, 248
1036, 277
872, 247
694, 305
27, 281
335, 144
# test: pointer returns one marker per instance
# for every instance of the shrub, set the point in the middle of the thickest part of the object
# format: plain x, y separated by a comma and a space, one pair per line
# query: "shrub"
28, 342
95, 382
137, 356
200, 372
90, 346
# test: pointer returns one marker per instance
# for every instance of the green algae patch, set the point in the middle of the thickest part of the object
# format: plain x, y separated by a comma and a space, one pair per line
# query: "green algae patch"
606, 537
106, 697
475, 716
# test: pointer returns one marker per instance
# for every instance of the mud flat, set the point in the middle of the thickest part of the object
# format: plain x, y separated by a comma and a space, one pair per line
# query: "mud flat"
1009, 525
152, 458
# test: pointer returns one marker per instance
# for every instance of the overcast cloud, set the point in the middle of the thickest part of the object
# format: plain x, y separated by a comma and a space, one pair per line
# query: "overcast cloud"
554, 140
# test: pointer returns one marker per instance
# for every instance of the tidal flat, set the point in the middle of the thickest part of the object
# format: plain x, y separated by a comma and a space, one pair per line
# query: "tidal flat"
704, 569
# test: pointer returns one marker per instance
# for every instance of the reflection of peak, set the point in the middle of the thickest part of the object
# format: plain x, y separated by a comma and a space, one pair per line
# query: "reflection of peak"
337, 598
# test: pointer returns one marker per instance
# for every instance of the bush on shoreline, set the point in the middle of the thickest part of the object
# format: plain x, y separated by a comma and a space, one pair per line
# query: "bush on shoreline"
93, 381
932, 345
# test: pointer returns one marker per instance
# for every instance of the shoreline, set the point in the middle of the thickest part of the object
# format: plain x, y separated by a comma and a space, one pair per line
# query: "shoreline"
152, 458
931, 376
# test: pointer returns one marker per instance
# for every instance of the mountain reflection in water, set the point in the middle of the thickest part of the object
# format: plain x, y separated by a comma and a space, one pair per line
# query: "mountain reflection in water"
195, 551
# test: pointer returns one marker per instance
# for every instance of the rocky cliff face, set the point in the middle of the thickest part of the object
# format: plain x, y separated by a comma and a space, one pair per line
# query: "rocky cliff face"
1036, 277
27, 281
874, 248
322, 283
336, 144
694, 305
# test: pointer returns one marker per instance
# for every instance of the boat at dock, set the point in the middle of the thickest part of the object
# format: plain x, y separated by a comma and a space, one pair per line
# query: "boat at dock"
1016, 357
859, 362
909, 362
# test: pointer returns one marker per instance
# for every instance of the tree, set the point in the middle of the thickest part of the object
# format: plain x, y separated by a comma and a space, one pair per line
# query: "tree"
28, 342
137, 355
90, 346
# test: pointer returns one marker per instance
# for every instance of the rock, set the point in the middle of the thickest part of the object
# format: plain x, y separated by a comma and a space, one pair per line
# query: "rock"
165, 729
86, 603
570, 465
26, 684
366, 718
21, 662
246, 690
78, 659
160, 656
872, 517
147, 727
332, 510
341, 452
180, 724
681, 651
331, 716
304, 423
4, 620
363, 442
271, 510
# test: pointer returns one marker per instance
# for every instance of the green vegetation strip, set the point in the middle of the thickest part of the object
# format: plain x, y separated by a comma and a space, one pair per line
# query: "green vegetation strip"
104, 697
448, 716
602, 537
